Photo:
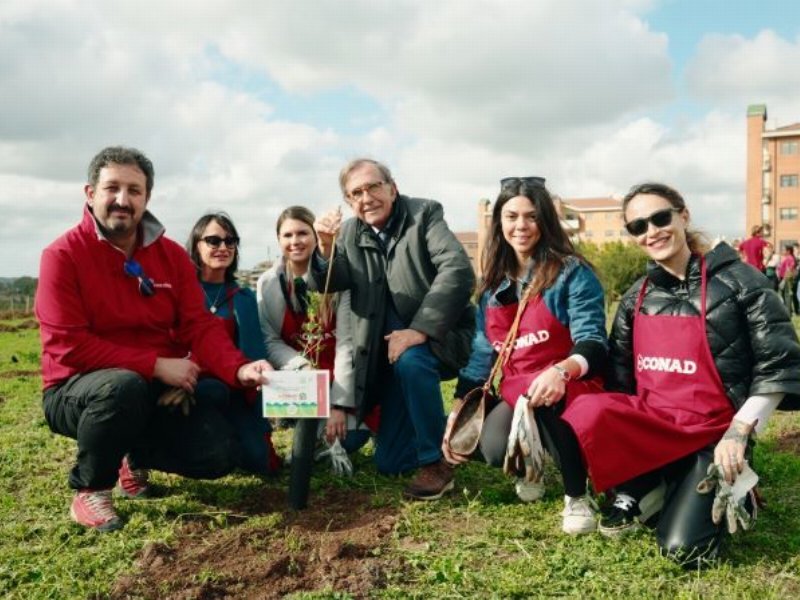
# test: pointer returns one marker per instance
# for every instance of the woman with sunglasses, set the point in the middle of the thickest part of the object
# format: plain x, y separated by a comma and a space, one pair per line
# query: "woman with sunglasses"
560, 342
214, 248
701, 351
283, 302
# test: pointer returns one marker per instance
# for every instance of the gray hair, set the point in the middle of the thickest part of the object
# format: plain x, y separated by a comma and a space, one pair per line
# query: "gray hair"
344, 174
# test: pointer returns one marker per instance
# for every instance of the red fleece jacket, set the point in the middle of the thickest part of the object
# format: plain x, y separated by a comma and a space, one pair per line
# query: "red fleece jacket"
93, 317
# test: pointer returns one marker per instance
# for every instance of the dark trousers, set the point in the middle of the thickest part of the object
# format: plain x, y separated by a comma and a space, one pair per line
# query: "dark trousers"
685, 531
252, 429
113, 412
557, 436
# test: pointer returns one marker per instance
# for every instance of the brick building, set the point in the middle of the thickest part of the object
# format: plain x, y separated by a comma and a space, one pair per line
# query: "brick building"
773, 169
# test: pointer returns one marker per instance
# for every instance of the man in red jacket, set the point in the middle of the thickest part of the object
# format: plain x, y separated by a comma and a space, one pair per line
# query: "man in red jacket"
119, 306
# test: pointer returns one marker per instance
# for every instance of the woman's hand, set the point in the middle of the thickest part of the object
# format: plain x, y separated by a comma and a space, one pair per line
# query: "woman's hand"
449, 455
336, 427
729, 452
546, 389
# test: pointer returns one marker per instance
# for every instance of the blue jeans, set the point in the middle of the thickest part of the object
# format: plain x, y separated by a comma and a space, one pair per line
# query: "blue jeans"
252, 429
412, 413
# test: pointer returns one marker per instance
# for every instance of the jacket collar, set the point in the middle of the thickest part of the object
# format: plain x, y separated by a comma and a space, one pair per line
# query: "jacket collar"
150, 228
718, 257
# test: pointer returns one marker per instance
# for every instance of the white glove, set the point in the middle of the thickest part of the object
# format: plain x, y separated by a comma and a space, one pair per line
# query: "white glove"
729, 499
340, 461
524, 451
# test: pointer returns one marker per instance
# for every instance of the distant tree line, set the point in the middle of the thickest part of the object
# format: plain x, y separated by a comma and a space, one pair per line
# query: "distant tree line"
618, 265
17, 294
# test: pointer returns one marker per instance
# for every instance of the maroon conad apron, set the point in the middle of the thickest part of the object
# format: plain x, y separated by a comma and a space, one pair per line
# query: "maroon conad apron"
680, 405
541, 342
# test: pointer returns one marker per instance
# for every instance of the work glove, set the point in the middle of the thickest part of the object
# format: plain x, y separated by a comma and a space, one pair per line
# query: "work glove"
177, 397
340, 461
729, 498
524, 452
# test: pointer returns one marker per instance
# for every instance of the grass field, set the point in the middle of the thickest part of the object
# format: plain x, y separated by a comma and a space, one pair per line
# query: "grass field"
480, 542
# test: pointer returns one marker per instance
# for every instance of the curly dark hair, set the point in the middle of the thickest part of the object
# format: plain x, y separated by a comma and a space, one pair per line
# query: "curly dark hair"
120, 155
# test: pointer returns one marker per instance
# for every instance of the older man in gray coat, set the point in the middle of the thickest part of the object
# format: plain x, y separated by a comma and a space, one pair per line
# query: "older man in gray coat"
410, 282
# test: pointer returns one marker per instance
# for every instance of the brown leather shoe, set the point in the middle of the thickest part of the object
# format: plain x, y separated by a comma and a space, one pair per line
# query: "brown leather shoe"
431, 482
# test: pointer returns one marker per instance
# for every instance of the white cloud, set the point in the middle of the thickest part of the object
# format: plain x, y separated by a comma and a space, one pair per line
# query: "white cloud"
467, 92
732, 70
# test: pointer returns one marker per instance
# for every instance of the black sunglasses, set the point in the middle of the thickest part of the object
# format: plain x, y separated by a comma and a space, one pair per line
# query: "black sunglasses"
134, 269
215, 241
660, 218
516, 181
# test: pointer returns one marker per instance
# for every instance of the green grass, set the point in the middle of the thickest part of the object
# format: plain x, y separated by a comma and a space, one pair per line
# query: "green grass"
478, 543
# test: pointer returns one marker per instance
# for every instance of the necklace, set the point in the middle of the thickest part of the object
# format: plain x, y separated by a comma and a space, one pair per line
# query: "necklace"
216, 303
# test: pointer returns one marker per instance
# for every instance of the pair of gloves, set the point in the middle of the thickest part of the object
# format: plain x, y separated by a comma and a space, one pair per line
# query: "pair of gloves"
340, 461
524, 452
729, 498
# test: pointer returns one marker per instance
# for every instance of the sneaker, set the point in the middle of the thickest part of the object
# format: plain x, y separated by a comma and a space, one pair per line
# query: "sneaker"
431, 482
133, 483
529, 491
93, 508
620, 517
579, 515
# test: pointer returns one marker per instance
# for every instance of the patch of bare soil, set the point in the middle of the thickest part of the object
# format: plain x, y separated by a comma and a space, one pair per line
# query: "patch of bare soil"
789, 442
26, 324
19, 373
338, 543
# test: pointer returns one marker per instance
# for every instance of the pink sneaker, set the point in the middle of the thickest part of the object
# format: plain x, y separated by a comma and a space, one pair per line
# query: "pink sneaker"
133, 483
93, 508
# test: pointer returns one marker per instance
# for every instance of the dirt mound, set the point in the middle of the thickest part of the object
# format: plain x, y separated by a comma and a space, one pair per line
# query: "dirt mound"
20, 373
337, 544
11, 327
789, 442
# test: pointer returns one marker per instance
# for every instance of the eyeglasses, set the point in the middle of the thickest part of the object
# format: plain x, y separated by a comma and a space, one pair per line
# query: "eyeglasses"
516, 181
660, 218
370, 188
215, 241
133, 269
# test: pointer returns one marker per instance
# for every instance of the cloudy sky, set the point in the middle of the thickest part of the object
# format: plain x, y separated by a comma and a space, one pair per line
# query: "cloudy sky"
252, 105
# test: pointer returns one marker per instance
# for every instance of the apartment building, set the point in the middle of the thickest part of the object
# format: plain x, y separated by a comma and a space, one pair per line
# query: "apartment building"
773, 170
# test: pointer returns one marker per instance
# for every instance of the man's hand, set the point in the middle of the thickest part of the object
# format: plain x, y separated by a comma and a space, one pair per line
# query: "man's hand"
327, 227
254, 374
401, 340
336, 426
177, 372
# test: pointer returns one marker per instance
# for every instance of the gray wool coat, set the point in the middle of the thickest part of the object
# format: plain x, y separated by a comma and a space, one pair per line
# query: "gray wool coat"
429, 276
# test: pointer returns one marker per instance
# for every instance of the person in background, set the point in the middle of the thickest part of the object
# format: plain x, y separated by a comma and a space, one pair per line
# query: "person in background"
701, 352
752, 249
771, 263
119, 304
214, 248
283, 303
560, 346
787, 270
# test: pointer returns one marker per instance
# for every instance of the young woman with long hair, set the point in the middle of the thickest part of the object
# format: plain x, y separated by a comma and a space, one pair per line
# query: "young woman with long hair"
560, 343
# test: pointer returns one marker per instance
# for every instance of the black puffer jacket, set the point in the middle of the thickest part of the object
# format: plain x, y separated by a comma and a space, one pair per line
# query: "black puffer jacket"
754, 345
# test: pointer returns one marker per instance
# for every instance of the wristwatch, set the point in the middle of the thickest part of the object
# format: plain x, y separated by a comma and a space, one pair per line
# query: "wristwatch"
565, 376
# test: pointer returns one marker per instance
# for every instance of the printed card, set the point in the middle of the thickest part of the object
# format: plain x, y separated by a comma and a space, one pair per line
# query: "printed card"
296, 395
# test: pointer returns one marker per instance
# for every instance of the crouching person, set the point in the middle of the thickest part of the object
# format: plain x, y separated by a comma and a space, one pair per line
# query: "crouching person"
118, 304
